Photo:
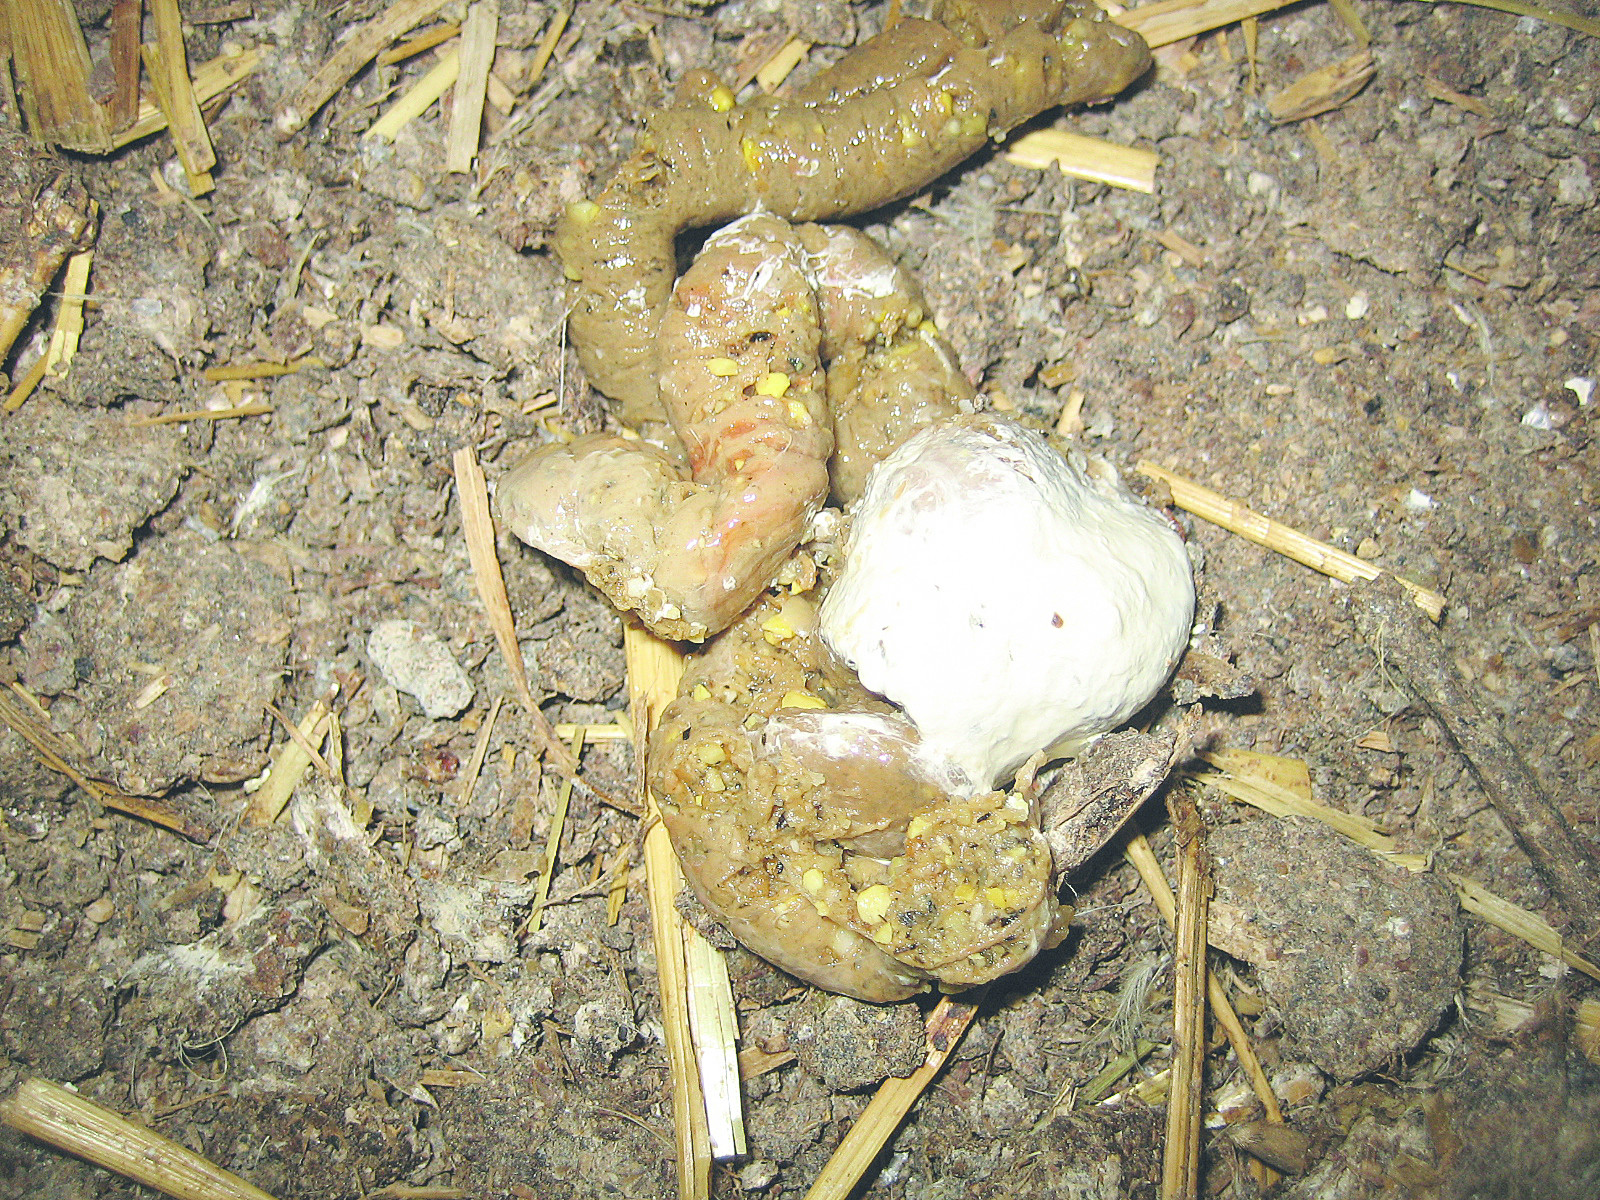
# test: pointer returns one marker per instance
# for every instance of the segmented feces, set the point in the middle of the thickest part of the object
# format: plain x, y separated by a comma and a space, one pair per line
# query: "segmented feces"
893, 115
744, 342
809, 822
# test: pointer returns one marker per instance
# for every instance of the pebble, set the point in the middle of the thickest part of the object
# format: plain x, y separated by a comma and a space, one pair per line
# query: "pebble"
419, 664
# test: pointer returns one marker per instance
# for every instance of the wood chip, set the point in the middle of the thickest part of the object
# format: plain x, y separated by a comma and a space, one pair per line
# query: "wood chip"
1324, 89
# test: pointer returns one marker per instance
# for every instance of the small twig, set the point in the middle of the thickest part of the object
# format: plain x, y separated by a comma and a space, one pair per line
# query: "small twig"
1180, 1171
53, 1114
1413, 648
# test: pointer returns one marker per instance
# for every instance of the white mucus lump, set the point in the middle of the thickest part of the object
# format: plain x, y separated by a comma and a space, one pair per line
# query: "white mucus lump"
1005, 598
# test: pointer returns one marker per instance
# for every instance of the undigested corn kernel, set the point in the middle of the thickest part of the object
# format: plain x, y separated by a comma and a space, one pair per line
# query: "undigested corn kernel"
916, 827
798, 699
701, 692
799, 413
722, 367
774, 384
883, 934
714, 780
873, 903
995, 896
722, 98
813, 882
776, 629
964, 893
711, 753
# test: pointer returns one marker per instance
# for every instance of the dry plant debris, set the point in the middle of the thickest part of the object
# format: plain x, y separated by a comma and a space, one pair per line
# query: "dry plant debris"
1399, 350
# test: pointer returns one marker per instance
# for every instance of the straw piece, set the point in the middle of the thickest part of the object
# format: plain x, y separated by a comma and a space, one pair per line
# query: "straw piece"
1180, 1169
256, 408
1324, 89
1136, 848
1251, 28
1181, 246
1169, 21
713, 1023
1554, 16
771, 74
64, 1119
288, 768
53, 71
169, 79
552, 843
252, 370
62, 221
1086, 158
547, 45
1412, 648
1519, 923
1352, 21
654, 669
594, 733
63, 337
617, 892
436, 36
1105, 1077
209, 81
1286, 540
755, 1062
478, 34
894, 1098
415, 102
353, 54
480, 751
477, 526
1442, 91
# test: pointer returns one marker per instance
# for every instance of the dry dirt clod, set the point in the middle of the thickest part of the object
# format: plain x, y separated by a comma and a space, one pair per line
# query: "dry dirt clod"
1360, 959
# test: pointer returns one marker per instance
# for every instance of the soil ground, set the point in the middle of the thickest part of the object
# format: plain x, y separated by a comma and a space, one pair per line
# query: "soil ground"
1381, 325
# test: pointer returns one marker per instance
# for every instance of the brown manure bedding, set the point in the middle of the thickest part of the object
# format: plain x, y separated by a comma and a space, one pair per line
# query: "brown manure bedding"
305, 882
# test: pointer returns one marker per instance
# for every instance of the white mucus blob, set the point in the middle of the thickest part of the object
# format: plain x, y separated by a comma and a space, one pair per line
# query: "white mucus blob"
1004, 598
